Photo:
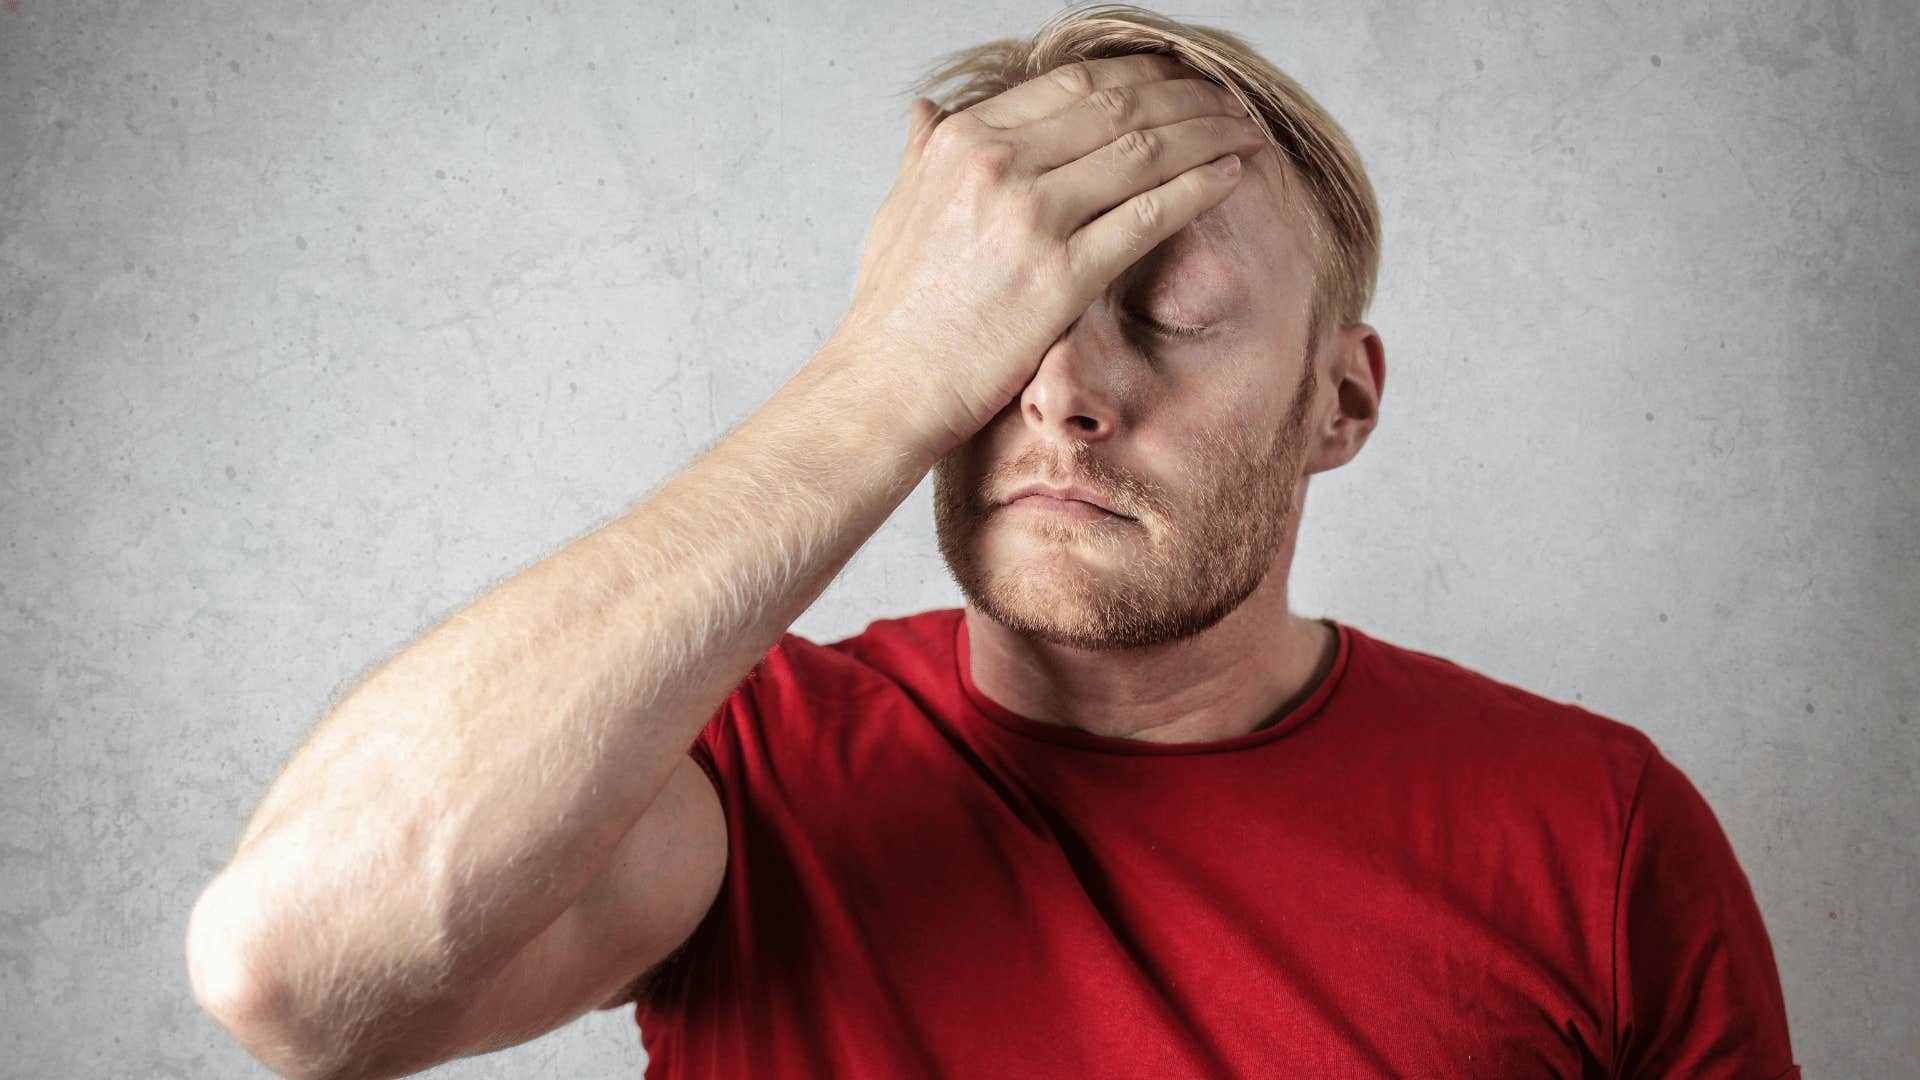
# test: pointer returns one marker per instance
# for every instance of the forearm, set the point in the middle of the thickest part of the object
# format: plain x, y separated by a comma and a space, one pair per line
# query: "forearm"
464, 795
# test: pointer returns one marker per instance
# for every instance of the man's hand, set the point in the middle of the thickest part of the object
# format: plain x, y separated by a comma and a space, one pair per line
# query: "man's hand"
1010, 218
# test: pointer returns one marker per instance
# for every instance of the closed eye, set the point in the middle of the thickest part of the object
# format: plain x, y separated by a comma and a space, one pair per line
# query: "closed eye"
1175, 330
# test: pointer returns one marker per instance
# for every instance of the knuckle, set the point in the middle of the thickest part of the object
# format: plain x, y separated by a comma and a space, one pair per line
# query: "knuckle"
990, 160
953, 130
1140, 146
1226, 129
1069, 265
1147, 214
1163, 65
941, 136
1148, 65
1116, 103
1197, 96
1031, 215
1056, 271
1073, 78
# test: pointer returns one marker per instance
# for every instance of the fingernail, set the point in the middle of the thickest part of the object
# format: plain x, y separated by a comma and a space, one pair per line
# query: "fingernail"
1228, 164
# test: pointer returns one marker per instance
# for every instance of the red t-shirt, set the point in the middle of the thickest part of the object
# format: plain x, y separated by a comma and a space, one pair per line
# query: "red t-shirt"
1420, 871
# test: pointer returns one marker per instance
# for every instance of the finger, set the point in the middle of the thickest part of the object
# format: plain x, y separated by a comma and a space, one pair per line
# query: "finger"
925, 117
1139, 160
1051, 91
1116, 239
1105, 115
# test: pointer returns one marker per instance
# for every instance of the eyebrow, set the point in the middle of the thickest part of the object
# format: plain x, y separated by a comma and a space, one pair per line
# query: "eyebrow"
1211, 222
1212, 225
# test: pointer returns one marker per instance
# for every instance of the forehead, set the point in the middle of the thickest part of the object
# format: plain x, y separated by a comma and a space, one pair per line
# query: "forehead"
1258, 236
1264, 208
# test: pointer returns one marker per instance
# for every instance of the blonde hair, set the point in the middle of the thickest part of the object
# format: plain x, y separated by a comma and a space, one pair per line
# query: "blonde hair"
1343, 216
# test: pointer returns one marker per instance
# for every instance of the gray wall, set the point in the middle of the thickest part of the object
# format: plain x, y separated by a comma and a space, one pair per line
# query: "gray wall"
317, 321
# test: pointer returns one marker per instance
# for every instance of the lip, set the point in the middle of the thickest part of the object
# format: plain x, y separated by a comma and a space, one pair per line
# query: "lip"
1070, 493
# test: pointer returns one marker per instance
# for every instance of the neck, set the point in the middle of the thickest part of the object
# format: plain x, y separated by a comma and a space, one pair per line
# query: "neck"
1239, 675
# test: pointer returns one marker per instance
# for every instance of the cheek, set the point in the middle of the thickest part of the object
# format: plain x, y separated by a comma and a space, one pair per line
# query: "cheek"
1207, 445
1221, 380
988, 462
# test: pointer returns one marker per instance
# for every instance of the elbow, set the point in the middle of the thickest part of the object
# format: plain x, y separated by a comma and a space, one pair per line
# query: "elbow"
231, 985
244, 974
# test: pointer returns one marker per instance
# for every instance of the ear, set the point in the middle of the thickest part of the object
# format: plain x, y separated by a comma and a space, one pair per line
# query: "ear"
1357, 371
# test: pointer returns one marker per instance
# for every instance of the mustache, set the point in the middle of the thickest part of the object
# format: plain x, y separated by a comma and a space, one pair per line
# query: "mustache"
1080, 467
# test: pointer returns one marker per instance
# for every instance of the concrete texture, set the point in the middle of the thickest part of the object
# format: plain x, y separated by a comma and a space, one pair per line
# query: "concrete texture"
317, 321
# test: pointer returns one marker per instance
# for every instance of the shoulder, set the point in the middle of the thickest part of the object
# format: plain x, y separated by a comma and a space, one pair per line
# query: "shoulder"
1479, 713
887, 652
814, 723
802, 684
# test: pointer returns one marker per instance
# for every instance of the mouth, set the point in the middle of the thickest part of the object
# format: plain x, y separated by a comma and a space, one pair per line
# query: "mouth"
1072, 499
1074, 509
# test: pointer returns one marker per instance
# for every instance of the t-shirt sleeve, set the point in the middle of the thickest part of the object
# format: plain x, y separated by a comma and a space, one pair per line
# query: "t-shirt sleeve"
709, 749
1695, 988
716, 746
716, 749
702, 750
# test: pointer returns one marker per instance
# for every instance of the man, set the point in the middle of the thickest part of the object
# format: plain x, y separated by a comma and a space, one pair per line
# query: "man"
1123, 814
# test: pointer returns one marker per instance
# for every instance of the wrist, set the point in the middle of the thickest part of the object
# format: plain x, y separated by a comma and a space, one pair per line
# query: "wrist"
859, 377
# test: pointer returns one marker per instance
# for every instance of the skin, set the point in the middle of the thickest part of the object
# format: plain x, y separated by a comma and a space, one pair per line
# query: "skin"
1173, 627
531, 753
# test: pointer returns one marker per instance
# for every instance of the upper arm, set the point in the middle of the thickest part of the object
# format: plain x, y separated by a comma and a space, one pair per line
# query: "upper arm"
1696, 989
655, 889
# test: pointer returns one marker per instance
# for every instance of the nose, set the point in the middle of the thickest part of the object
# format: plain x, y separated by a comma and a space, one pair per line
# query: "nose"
1070, 396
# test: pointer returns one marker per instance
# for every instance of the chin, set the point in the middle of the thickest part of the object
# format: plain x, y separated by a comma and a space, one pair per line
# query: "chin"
1108, 590
1050, 589
1062, 608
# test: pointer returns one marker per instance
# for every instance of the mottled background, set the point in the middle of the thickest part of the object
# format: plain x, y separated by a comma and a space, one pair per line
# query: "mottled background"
319, 320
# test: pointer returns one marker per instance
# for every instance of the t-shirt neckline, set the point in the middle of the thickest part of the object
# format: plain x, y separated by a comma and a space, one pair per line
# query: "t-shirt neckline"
988, 709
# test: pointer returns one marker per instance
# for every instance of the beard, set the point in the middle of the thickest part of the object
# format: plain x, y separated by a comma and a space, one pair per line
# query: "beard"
1198, 548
